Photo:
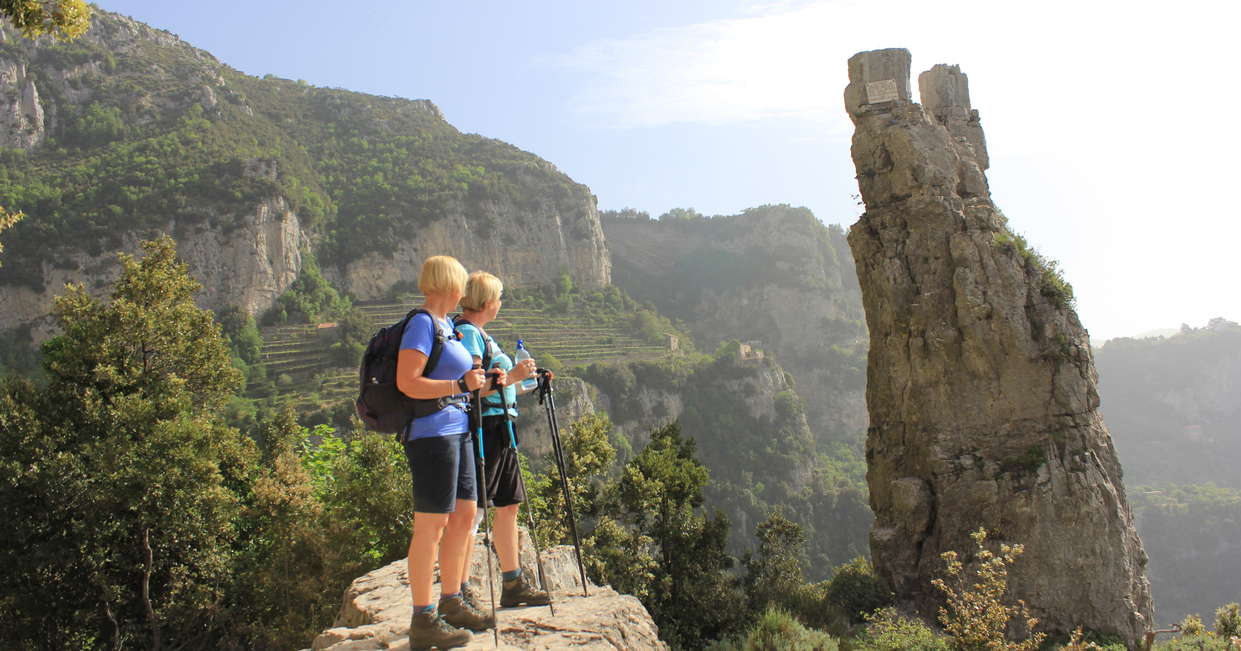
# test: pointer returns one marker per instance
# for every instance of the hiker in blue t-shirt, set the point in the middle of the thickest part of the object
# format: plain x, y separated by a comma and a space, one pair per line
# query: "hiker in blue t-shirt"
480, 305
440, 452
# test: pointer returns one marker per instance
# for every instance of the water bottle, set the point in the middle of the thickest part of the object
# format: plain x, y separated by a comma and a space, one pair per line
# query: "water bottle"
529, 384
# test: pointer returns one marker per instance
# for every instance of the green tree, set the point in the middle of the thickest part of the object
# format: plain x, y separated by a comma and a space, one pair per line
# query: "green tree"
694, 599
121, 484
775, 575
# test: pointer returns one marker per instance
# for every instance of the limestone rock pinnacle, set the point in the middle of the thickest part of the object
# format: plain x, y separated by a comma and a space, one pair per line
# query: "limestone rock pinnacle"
981, 386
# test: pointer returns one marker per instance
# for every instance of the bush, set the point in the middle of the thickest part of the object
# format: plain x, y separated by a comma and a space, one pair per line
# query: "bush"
888, 630
856, 590
1228, 621
976, 616
777, 630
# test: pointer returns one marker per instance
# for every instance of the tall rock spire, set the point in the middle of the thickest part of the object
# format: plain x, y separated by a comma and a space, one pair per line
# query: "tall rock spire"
981, 387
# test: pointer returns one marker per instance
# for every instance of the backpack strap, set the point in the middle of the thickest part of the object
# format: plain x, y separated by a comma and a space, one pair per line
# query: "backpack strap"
437, 341
459, 321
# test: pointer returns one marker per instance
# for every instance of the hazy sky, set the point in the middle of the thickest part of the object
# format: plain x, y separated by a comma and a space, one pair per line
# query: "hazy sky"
1110, 124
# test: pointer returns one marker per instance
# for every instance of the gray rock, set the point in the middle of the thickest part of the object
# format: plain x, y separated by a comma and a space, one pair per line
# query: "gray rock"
981, 388
376, 609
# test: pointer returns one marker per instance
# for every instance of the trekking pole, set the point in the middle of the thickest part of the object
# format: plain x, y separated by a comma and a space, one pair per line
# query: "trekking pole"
538, 556
482, 476
548, 400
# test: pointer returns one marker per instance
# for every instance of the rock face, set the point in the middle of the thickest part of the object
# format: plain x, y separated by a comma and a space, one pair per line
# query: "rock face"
981, 388
247, 266
377, 606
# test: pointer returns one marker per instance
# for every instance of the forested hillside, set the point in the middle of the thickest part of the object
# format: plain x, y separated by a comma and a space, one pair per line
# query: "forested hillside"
139, 132
1173, 405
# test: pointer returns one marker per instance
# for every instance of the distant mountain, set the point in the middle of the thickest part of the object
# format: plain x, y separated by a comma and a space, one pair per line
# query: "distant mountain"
774, 277
1173, 405
129, 131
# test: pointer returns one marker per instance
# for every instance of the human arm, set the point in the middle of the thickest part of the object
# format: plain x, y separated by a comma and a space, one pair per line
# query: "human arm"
411, 381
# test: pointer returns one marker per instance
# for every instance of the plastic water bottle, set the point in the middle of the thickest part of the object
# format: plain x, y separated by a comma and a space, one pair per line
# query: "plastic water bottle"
529, 384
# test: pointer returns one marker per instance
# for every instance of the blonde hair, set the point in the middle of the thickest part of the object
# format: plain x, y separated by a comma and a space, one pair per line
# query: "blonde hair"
442, 274
481, 289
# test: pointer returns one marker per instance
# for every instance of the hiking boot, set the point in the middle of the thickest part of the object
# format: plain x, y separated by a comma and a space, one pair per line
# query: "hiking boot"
471, 598
457, 612
427, 630
519, 593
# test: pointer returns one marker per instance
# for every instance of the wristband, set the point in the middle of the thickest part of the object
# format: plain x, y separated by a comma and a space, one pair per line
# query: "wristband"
465, 388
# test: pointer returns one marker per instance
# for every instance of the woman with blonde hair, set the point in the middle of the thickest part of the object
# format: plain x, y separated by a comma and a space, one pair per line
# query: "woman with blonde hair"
440, 453
504, 489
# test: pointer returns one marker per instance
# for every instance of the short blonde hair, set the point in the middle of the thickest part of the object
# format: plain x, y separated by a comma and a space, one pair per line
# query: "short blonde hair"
442, 274
481, 289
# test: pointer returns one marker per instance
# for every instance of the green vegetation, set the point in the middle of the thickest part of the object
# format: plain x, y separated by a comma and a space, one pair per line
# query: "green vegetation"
1052, 284
761, 457
154, 149
976, 615
62, 19
140, 517
1191, 534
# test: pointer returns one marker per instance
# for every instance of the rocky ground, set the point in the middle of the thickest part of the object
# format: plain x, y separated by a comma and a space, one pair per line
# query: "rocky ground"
376, 609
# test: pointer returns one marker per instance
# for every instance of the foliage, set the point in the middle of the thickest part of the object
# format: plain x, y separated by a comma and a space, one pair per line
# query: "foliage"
119, 488
63, 19
1189, 532
311, 298
1052, 284
975, 616
778, 630
1228, 620
887, 630
757, 462
7, 220
775, 574
857, 591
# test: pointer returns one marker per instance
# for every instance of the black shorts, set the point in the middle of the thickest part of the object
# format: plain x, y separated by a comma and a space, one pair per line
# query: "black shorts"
504, 486
442, 468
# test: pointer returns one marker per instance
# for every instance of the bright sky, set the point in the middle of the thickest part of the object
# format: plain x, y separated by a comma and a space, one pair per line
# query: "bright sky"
1109, 124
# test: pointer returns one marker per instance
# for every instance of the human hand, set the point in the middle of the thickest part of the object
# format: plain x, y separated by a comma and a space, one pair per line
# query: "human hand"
501, 378
524, 369
474, 378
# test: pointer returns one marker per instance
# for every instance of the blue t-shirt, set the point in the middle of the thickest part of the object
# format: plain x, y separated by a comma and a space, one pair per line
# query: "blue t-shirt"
453, 363
472, 339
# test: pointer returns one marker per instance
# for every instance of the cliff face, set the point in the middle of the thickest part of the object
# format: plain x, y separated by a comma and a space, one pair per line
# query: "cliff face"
248, 266
129, 132
980, 384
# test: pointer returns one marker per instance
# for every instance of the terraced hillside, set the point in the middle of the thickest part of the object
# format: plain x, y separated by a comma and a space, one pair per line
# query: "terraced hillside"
297, 357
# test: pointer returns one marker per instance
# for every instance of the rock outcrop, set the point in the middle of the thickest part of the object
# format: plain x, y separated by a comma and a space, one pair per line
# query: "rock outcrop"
376, 609
981, 388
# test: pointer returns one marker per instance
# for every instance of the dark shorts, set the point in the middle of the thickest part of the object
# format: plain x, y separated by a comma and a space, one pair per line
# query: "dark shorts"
442, 468
504, 486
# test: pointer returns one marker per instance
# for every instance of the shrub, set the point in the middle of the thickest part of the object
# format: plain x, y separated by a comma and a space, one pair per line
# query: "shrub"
976, 616
1228, 621
888, 630
778, 630
1192, 625
856, 590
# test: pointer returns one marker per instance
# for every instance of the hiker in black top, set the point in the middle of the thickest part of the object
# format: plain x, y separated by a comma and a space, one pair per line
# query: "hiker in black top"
504, 489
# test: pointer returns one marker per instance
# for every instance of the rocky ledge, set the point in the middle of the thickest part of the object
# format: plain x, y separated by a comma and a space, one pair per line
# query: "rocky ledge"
376, 609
